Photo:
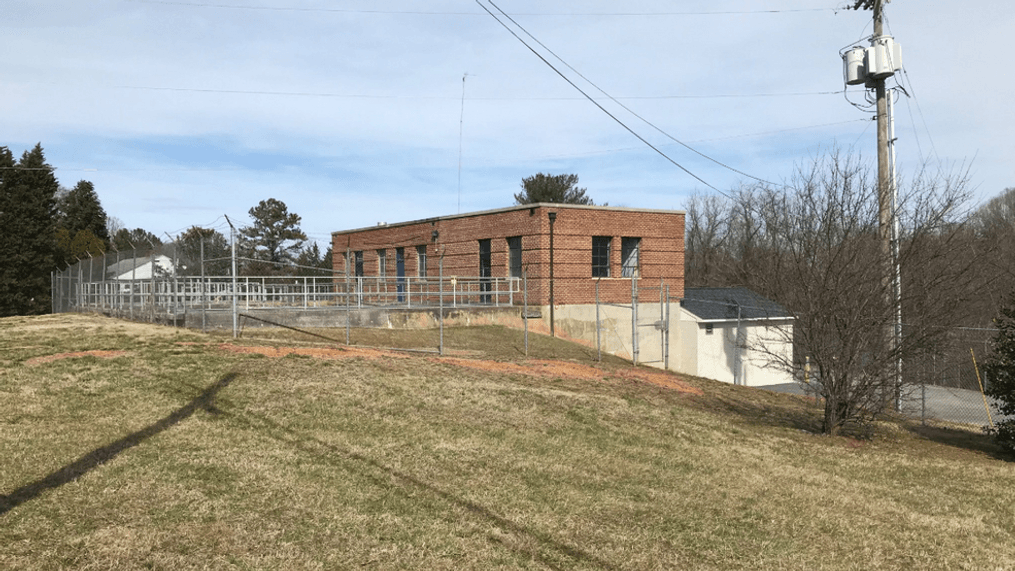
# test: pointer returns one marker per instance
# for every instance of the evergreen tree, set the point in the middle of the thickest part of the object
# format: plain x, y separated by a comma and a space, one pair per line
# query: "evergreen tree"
217, 254
312, 262
560, 188
81, 224
999, 370
275, 237
80, 210
27, 232
82, 245
126, 240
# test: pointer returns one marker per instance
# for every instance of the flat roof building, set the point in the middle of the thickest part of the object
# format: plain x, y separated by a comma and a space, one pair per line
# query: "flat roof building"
492, 250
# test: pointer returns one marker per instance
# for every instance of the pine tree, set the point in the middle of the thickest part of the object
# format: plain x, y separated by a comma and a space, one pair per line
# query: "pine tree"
27, 232
275, 237
80, 209
139, 238
999, 371
217, 254
560, 188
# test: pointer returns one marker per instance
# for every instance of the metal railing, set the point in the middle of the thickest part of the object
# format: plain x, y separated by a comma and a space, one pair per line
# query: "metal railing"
72, 291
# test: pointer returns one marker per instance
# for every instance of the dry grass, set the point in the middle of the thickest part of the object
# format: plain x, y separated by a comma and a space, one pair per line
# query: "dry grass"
183, 455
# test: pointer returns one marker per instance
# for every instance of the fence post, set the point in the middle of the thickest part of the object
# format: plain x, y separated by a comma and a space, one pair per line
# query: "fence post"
634, 318
599, 326
923, 403
133, 277
107, 299
737, 376
666, 332
204, 294
525, 308
440, 303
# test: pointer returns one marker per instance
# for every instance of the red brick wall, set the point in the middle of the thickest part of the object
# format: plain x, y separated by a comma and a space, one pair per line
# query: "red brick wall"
661, 251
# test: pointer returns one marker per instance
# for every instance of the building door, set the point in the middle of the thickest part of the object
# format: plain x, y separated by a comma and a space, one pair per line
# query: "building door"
485, 271
400, 272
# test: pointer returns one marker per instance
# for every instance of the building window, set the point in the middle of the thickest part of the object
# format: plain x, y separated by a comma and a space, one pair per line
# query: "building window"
601, 256
629, 248
359, 263
485, 271
421, 259
515, 256
382, 263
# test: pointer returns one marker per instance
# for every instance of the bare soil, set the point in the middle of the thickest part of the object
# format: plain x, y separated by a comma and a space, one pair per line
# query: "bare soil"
535, 367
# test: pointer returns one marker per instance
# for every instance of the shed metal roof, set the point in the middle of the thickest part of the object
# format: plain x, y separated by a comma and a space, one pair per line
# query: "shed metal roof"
721, 304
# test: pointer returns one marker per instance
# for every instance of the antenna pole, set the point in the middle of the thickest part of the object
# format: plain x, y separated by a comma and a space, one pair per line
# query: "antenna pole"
461, 128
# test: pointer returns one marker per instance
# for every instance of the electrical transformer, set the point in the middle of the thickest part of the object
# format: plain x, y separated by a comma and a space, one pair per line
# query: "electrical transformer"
879, 61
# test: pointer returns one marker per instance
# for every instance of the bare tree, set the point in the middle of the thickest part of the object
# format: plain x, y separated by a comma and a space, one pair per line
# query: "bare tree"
813, 247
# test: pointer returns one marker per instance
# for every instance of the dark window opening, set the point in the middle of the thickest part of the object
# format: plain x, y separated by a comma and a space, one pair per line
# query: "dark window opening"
515, 256
358, 255
400, 272
485, 271
601, 256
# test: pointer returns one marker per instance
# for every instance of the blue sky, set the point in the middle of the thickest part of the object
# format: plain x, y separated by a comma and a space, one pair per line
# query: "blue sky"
350, 111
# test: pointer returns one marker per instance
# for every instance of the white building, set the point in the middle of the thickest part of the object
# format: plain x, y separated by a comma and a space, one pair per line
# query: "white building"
141, 268
734, 335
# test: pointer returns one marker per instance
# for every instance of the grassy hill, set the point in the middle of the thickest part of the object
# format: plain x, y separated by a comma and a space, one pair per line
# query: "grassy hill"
129, 446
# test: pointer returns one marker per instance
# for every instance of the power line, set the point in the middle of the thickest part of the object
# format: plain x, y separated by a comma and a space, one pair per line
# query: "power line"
437, 97
713, 139
594, 102
919, 110
629, 110
435, 13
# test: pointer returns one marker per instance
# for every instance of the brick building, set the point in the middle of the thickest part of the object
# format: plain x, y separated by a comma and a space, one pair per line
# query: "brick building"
495, 247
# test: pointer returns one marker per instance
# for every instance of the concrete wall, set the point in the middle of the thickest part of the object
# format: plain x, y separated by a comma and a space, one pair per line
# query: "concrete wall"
691, 350
391, 318
578, 323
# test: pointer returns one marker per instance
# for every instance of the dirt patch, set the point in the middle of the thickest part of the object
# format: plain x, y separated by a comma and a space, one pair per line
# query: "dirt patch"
572, 370
542, 368
315, 352
58, 356
661, 379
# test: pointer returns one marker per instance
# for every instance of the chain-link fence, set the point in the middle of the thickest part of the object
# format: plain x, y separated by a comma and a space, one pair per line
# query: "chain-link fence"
161, 285
943, 388
947, 386
157, 284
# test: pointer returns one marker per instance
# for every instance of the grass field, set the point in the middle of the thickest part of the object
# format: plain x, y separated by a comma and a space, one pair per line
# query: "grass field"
129, 446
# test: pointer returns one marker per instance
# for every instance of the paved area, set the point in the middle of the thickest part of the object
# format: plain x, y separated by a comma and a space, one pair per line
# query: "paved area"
932, 403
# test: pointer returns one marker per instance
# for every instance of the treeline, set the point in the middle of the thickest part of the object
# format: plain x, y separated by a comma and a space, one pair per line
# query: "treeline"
45, 228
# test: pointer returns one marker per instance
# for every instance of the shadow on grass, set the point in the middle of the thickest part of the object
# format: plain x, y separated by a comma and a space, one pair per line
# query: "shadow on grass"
100, 456
962, 439
753, 405
333, 454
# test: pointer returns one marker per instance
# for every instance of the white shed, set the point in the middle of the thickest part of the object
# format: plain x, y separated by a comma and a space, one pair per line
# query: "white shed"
734, 335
